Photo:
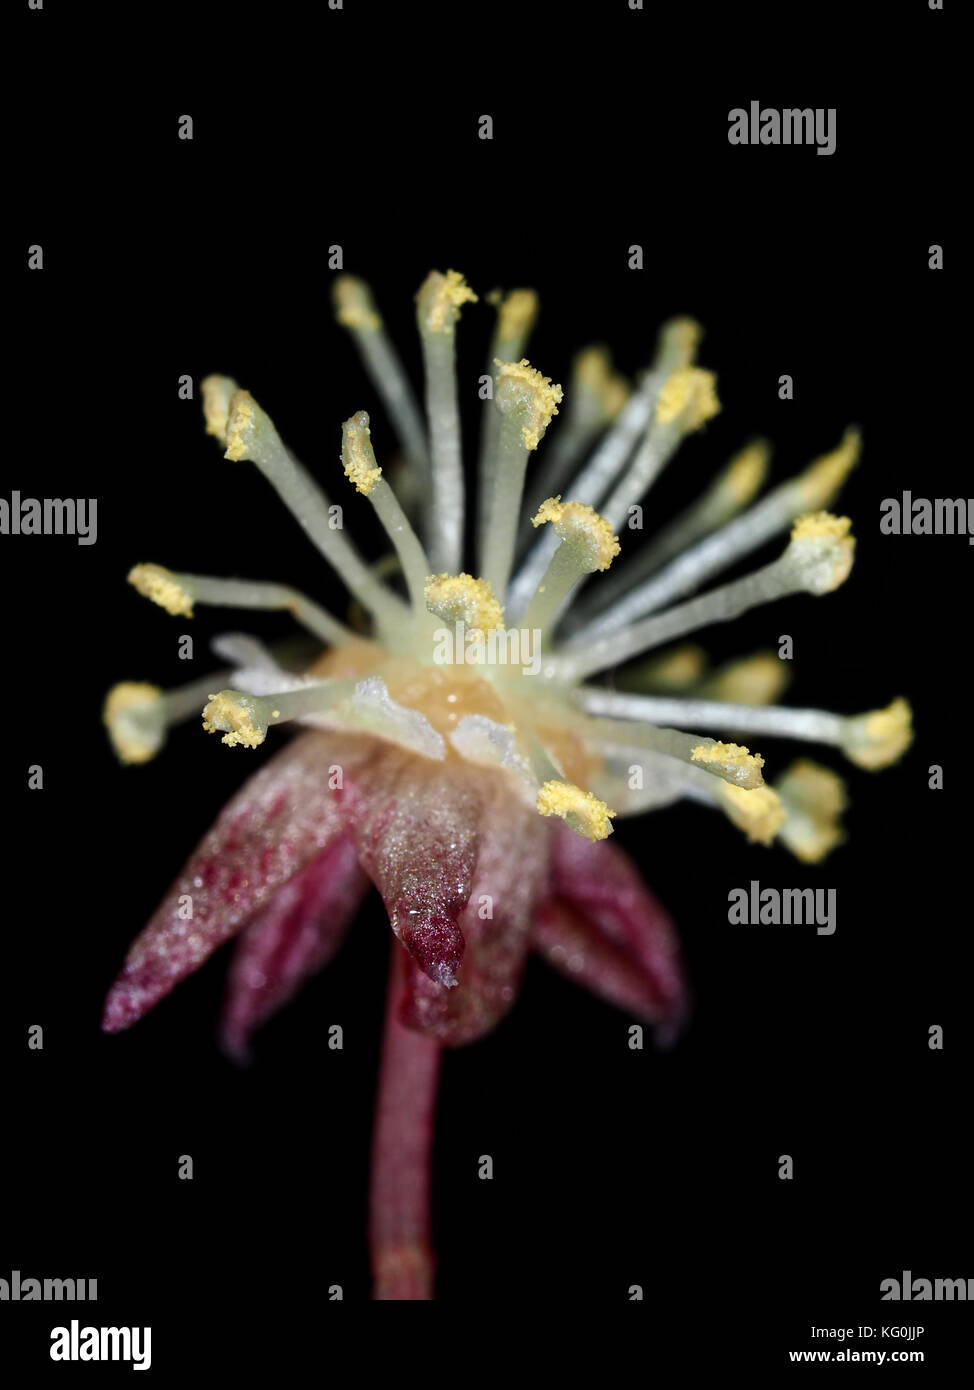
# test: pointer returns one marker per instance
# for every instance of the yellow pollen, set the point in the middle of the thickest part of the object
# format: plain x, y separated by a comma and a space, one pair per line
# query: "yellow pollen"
745, 766
688, 396
242, 414
580, 810
746, 472
754, 680
593, 373
217, 392
681, 338
674, 670
353, 304
582, 528
815, 525
881, 737
235, 713
134, 741
814, 798
758, 812
162, 587
357, 455
521, 385
822, 479
516, 314
462, 598
825, 548
440, 298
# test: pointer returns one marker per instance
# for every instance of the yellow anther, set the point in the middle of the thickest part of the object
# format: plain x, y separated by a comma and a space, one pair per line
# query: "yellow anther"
217, 393
521, 387
594, 374
879, 738
758, 812
353, 304
237, 716
581, 527
754, 680
674, 670
162, 587
134, 716
814, 798
823, 550
679, 340
744, 767
516, 314
688, 397
822, 479
746, 473
579, 809
357, 454
240, 425
440, 298
462, 598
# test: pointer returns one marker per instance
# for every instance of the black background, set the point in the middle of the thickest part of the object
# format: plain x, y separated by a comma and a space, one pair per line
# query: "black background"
165, 257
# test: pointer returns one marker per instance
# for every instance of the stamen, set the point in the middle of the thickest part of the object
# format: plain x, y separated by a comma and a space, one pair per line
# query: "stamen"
358, 458
138, 716
676, 346
177, 593
516, 316
217, 394
686, 402
527, 402
879, 738
753, 680
356, 311
732, 761
135, 718
161, 586
460, 598
251, 435
817, 560
244, 719
814, 798
759, 812
587, 544
597, 396
677, 669
814, 488
580, 810
732, 490
439, 300
667, 779
755, 809
871, 740
729, 761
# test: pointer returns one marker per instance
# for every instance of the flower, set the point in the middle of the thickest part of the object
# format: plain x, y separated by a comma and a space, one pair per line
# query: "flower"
456, 756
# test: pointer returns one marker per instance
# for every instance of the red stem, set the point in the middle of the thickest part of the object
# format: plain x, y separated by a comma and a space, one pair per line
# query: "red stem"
402, 1151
